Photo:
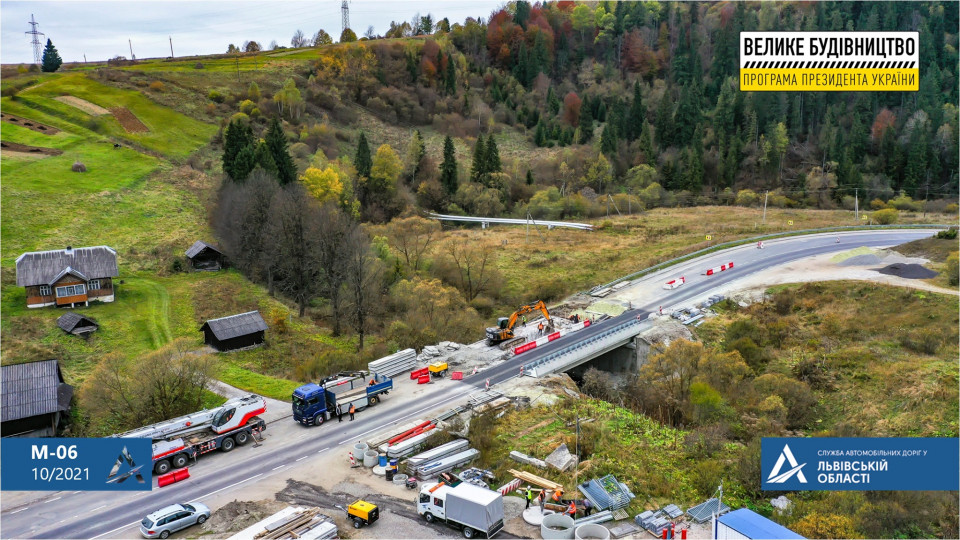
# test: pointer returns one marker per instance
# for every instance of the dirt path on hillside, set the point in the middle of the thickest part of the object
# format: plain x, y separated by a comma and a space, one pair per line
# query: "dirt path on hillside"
83, 105
128, 120
29, 150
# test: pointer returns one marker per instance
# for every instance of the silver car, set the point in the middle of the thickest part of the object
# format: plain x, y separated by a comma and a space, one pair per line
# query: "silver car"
173, 518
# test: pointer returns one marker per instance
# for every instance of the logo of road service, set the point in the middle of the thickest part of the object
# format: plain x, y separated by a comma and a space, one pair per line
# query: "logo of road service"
113, 477
786, 455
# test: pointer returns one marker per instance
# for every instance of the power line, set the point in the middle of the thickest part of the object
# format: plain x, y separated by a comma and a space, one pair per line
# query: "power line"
37, 44
345, 11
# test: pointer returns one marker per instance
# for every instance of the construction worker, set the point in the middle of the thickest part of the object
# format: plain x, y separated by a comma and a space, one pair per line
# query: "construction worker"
372, 382
540, 329
541, 499
558, 495
572, 509
523, 319
339, 413
587, 507
352, 410
529, 497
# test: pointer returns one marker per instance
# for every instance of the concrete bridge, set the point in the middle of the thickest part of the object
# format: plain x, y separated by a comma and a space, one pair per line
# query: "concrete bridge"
591, 343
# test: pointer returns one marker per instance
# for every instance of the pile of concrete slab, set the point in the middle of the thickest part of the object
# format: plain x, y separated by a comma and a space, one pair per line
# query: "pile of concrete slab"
291, 522
523, 458
394, 364
441, 349
561, 459
656, 522
447, 463
453, 447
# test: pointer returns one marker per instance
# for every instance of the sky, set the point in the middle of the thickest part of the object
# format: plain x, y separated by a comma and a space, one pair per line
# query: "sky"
100, 30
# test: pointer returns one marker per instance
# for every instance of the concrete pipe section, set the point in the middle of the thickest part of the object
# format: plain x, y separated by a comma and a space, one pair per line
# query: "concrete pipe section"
360, 448
592, 531
558, 526
370, 458
533, 516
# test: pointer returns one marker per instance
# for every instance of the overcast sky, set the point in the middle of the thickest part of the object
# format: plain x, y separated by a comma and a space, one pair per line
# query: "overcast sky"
101, 29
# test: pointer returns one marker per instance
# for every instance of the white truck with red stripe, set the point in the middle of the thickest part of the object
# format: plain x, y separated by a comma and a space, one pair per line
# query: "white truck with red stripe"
177, 441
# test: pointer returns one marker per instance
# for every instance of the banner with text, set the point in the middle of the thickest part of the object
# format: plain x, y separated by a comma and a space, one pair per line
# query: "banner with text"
829, 61
851, 464
111, 464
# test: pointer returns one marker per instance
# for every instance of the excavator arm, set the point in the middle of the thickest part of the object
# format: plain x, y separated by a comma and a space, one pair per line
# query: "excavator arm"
496, 335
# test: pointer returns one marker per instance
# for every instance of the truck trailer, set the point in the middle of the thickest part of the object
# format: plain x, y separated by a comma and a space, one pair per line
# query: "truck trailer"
315, 403
472, 509
178, 440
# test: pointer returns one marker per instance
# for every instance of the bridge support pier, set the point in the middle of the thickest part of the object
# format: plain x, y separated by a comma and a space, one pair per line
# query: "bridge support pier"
623, 359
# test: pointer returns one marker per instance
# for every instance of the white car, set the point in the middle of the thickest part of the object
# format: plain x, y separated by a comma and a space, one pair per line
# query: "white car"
172, 518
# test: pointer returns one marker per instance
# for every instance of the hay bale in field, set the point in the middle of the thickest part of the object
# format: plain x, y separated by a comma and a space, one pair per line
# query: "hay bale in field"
78, 167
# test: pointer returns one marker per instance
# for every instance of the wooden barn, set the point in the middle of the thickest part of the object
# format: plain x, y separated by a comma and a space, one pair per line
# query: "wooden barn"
35, 399
234, 332
203, 256
67, 277
72, 322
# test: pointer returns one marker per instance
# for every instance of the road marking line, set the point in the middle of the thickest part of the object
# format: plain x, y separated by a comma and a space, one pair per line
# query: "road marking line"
402, 417
324, 450
51, 500
304, 457
99, 507
221, 489
115, 530
20, 510
275, 468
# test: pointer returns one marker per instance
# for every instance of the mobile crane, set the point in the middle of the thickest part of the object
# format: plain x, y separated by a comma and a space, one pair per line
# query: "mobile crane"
504, 329
177, 440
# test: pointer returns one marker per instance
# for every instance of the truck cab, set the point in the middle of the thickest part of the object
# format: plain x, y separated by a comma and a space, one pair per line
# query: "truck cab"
314, 403
310, 404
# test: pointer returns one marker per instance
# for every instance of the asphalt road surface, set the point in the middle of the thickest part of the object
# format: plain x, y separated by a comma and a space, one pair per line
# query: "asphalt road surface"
99, 514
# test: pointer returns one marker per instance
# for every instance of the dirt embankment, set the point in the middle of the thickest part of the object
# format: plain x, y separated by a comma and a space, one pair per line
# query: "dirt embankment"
29, 150
29, 124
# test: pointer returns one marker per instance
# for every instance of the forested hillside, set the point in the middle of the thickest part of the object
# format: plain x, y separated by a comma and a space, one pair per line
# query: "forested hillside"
624, 95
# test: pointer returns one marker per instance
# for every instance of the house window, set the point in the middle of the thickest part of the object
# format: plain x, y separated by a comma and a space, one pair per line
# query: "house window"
44, 290
93, 284
71, 290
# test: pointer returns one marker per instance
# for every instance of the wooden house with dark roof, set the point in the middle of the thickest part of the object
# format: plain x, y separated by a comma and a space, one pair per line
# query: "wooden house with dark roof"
234, 332
67, 277
72, 322
203, 256
35, 399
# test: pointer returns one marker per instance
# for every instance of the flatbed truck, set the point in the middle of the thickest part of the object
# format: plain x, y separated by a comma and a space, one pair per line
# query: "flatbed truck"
315, 403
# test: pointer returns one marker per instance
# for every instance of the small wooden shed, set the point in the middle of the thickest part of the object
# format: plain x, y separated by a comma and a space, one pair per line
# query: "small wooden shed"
76, 324
234, 332
35, 399
203, 256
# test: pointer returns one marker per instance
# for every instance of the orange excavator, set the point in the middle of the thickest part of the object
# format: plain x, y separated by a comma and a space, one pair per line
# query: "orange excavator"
504, 329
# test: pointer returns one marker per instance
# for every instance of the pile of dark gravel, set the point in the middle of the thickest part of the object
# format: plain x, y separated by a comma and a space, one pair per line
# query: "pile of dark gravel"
908, 271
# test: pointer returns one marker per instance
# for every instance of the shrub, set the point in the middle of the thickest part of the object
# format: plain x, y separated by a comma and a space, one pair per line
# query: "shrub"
176, 266
215, 96
887, 216
746, 197
949, 234
211, 108
247, 106
904, 202
953, 268
198, 65
277, 320
924, 340
157, 86
816, 525
78, 167
951, 208
877, 204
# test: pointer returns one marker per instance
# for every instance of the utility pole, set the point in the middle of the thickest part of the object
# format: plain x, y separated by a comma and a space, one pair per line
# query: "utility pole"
171, 46
132, 57
856, 204
35, 41
765, 196
345, 13
84, 58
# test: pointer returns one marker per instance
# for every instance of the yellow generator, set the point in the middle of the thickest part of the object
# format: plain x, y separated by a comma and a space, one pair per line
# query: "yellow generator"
438, 369
362, 513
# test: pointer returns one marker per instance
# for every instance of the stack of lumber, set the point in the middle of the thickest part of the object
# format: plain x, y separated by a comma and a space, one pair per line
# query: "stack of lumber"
535, 480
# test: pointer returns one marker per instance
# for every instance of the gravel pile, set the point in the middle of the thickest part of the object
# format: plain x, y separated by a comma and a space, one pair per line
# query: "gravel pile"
862, 260
908, 271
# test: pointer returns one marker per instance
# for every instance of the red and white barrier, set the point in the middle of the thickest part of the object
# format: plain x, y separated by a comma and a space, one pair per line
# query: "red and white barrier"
546, 339
674, 283
510, 487
717, 269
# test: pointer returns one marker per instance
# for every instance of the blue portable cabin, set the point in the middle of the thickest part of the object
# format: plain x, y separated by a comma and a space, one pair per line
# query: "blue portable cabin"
314, 403
747, 524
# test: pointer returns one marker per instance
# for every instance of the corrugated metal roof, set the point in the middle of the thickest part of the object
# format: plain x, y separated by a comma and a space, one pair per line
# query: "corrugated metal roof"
704, 511
43, 267
606, 493
236, 325
70, 320
753, 525
199, 246
33, 389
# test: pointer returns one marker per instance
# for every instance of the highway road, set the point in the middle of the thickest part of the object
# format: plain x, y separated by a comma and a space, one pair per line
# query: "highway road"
116, 514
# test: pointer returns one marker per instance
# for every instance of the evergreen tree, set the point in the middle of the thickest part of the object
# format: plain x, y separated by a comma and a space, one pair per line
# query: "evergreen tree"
363, 162
586, 124
687, 117
646, 146
450, 77
694, 170
263, 159
244, 163
491, 156
51, 58
448, 169
529, 178
664, 122
276, 143
608, 139
553, 102
540, 136
637, 114
236, 137
479, 160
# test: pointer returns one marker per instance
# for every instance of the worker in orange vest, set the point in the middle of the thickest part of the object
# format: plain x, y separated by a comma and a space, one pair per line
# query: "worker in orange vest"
540, 329
541, 499
352, 410
572, 509
557, 495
